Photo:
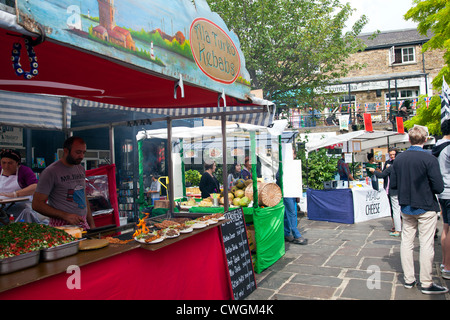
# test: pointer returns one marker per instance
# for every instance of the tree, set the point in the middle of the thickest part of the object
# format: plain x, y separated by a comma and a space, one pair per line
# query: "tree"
433, 15
429, 117
294, 48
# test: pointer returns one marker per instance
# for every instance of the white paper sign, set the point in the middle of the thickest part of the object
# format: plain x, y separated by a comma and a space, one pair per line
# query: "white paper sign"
292, 179
177, 176
370, 204
343, 122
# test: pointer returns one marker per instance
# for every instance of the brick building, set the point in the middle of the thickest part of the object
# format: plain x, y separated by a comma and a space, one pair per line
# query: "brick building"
395, 71
394, 63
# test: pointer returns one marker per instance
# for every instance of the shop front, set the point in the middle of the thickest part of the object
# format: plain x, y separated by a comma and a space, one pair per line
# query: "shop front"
109, 56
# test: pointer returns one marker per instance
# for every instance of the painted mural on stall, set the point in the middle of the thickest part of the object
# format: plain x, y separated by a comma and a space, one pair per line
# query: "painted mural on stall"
169, 37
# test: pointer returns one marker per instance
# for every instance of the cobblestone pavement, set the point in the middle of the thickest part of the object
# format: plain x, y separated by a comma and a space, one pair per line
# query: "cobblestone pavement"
344, 262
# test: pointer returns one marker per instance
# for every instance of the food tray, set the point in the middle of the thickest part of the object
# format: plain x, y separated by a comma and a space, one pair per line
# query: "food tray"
22, 261
61, 251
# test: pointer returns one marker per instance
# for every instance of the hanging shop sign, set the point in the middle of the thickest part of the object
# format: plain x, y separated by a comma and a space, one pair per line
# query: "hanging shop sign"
214, 51
170, 38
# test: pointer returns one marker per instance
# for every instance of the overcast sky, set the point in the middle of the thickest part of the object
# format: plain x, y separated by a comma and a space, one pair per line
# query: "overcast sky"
383, 15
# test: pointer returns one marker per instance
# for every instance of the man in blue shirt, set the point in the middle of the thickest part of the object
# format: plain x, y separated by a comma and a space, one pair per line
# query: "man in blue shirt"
417, 178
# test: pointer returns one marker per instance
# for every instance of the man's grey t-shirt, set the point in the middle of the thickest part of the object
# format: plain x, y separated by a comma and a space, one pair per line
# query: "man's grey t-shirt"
65, 187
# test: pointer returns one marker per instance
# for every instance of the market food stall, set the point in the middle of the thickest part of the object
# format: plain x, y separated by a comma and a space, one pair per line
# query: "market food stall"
80, 53
260, 198
354, 201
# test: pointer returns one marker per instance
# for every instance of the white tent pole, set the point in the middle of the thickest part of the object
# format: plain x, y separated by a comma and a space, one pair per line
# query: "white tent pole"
170, 190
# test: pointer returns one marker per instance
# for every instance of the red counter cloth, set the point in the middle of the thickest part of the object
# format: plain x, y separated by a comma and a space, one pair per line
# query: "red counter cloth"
194, 268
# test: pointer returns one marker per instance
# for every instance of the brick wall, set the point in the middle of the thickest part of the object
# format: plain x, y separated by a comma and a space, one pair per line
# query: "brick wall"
377, 63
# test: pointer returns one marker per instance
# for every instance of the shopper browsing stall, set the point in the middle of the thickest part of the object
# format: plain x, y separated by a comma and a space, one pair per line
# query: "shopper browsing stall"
344, 170
208, 182
247, 169
418, 179
63, 185
234, 175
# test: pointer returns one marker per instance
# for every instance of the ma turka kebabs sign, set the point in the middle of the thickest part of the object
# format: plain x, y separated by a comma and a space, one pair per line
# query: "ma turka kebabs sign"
214, 51
172, 39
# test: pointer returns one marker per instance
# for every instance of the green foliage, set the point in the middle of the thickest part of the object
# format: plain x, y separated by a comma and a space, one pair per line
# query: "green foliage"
319, 167
293, 49
434, 15
429, 117
193, 177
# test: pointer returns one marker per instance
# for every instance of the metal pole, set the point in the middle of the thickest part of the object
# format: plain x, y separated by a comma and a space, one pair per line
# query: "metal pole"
224, 161
170, 167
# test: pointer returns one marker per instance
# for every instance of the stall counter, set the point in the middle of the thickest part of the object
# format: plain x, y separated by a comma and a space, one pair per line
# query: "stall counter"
192, 268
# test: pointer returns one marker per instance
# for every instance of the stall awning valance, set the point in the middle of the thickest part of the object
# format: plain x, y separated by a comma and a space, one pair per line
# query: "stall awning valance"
256, 115
33, 111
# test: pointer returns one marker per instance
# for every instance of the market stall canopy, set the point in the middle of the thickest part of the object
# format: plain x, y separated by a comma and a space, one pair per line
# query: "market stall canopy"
368, 140
201, 132
40, 111
165, 54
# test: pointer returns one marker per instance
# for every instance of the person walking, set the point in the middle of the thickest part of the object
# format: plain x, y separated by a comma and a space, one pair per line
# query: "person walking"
418, 180
442, 151
393, 199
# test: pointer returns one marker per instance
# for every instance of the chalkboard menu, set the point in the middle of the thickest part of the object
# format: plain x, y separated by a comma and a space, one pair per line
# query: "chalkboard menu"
238, 254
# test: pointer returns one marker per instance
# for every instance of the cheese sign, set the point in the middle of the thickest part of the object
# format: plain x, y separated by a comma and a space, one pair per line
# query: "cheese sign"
214, 51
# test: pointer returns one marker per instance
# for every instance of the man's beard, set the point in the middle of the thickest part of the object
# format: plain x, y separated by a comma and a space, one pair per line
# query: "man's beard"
73, 161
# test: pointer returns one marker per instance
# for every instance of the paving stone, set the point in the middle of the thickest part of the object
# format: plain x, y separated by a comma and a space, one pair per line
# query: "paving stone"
275, 280
343, 261
317, 280
307, 291
358, 289
335, 264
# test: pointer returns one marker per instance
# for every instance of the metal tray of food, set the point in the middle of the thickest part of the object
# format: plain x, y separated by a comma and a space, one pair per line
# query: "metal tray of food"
61, 251
22, 261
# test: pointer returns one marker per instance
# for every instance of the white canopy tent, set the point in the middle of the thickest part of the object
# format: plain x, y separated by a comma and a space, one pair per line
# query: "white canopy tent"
368, 140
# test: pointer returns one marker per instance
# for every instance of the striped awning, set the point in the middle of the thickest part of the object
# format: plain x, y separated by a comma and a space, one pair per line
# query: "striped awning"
33, 111
261, 115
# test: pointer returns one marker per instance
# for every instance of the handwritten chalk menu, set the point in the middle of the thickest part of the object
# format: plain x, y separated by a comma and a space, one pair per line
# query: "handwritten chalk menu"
238, 254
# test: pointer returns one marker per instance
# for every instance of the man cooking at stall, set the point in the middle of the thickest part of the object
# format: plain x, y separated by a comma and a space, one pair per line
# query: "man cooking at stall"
63, 184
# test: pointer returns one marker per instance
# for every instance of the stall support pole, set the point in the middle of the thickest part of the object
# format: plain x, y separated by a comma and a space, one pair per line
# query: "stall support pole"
141, 199
253, 162
183, 171
280, 165
224, 158
170, 172
111, 145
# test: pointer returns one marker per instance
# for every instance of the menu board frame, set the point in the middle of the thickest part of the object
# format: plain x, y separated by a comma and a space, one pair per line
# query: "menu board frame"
238, 255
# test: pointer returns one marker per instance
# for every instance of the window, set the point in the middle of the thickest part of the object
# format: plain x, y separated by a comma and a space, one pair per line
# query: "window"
401, 55
403, 94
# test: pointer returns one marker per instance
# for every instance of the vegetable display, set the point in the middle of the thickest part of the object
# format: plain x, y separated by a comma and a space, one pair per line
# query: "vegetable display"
18, 238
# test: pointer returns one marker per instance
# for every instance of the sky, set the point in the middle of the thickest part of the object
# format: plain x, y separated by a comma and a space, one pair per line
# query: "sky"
383, 15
